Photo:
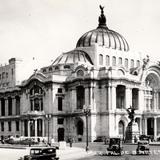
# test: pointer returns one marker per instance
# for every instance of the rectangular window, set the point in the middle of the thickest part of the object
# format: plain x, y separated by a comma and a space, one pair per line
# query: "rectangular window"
2, 126
60, 103
60, 120
17, 125
9, 126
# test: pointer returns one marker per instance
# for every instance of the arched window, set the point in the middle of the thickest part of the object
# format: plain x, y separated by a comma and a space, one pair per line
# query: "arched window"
101, 59
113, 61
36, 90
67, 67
50, 69
132, 63
138, 63
126, 63
80, 73
121, 128
36, 98
56, 68
120, 61
107, 61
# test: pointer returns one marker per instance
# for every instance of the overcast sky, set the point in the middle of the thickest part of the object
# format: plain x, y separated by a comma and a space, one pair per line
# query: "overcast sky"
45, 28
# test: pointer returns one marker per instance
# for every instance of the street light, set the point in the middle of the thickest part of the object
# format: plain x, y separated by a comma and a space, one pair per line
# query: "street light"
48, 116
87, 112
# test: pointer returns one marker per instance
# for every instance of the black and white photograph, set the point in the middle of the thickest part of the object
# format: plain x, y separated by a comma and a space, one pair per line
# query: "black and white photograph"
79, 79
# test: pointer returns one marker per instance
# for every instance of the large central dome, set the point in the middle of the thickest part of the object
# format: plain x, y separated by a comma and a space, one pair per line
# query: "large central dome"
103, 36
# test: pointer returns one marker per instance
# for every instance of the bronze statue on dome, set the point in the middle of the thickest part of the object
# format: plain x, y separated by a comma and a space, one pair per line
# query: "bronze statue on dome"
101, 8
102, 18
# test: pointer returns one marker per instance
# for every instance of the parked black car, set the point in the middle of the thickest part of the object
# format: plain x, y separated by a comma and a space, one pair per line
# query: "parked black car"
143, 147
146, 137
115, 146
48, 153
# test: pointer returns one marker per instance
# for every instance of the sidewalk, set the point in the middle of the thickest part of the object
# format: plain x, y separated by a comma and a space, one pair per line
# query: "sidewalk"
69, 153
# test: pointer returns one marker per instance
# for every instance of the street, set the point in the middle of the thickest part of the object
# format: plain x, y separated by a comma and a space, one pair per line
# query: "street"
129, 153
77, 152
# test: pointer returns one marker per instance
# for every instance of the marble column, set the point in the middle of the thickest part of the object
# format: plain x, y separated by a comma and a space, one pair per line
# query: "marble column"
6, 106
74, 99
109, 97
22, 127
35, 121
113, 97
87, 96
13, 106
155, 102
0, 108
145, 126
140, 126
43, 127
29, 134
141, 100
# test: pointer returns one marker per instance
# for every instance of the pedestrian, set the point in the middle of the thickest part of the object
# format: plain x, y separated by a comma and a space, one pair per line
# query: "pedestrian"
70, 141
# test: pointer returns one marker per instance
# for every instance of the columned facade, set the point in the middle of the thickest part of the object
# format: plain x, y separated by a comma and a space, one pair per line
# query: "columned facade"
101, 74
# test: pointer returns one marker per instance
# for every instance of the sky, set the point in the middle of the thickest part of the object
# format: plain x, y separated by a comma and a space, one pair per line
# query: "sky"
44, 29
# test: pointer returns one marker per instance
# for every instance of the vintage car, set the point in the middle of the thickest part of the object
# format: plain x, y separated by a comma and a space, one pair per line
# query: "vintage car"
115, 146
47, 153
143, 147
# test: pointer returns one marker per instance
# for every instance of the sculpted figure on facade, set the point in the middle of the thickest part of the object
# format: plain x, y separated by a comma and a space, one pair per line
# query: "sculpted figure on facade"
131, 113
145, 62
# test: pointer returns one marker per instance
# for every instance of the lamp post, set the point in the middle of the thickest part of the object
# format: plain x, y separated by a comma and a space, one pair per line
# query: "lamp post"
87, 112
48, 116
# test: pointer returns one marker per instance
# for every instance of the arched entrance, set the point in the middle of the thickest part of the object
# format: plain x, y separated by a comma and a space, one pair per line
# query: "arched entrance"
121, 129
80, 127
60, 134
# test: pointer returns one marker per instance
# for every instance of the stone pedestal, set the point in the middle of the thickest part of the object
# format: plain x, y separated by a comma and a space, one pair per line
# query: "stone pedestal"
132, 132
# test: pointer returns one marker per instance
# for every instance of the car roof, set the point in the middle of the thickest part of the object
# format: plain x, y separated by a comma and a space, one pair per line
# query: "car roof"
42, 148
143, 141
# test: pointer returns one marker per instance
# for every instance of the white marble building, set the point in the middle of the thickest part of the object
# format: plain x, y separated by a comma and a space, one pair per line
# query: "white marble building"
101, 73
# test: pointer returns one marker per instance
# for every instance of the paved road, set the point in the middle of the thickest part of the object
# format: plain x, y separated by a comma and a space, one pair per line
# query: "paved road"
155, 153
75, 153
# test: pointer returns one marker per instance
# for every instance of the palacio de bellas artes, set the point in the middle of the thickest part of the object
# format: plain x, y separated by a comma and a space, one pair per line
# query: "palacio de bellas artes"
100, 79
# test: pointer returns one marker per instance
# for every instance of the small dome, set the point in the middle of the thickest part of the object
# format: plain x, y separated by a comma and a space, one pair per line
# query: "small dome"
103, 36
72, 57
